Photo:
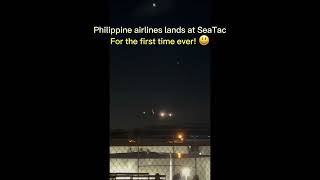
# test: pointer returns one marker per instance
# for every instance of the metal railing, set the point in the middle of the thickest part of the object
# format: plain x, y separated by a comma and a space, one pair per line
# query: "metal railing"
135, 176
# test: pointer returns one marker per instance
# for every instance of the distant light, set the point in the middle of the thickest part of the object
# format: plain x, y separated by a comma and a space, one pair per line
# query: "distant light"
131, 140
185, 172
180, 137
162, 114
143, 112
170, 114
154, 4
200, 153
179, 155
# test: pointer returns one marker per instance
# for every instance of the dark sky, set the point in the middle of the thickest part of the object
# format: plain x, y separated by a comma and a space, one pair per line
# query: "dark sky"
171, 78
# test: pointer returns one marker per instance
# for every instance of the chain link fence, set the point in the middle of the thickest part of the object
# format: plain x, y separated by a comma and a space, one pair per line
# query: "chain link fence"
186, 161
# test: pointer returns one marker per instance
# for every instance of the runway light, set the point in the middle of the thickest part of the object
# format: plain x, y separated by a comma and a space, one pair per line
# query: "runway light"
131, 141
180, 136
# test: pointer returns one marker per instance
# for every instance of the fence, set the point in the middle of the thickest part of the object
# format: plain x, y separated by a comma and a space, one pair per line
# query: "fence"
187, 161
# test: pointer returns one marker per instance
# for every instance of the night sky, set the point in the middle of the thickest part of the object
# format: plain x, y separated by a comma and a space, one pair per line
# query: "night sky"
170, 78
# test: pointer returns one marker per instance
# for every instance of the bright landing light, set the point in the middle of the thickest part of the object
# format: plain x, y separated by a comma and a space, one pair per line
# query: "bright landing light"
162, 114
